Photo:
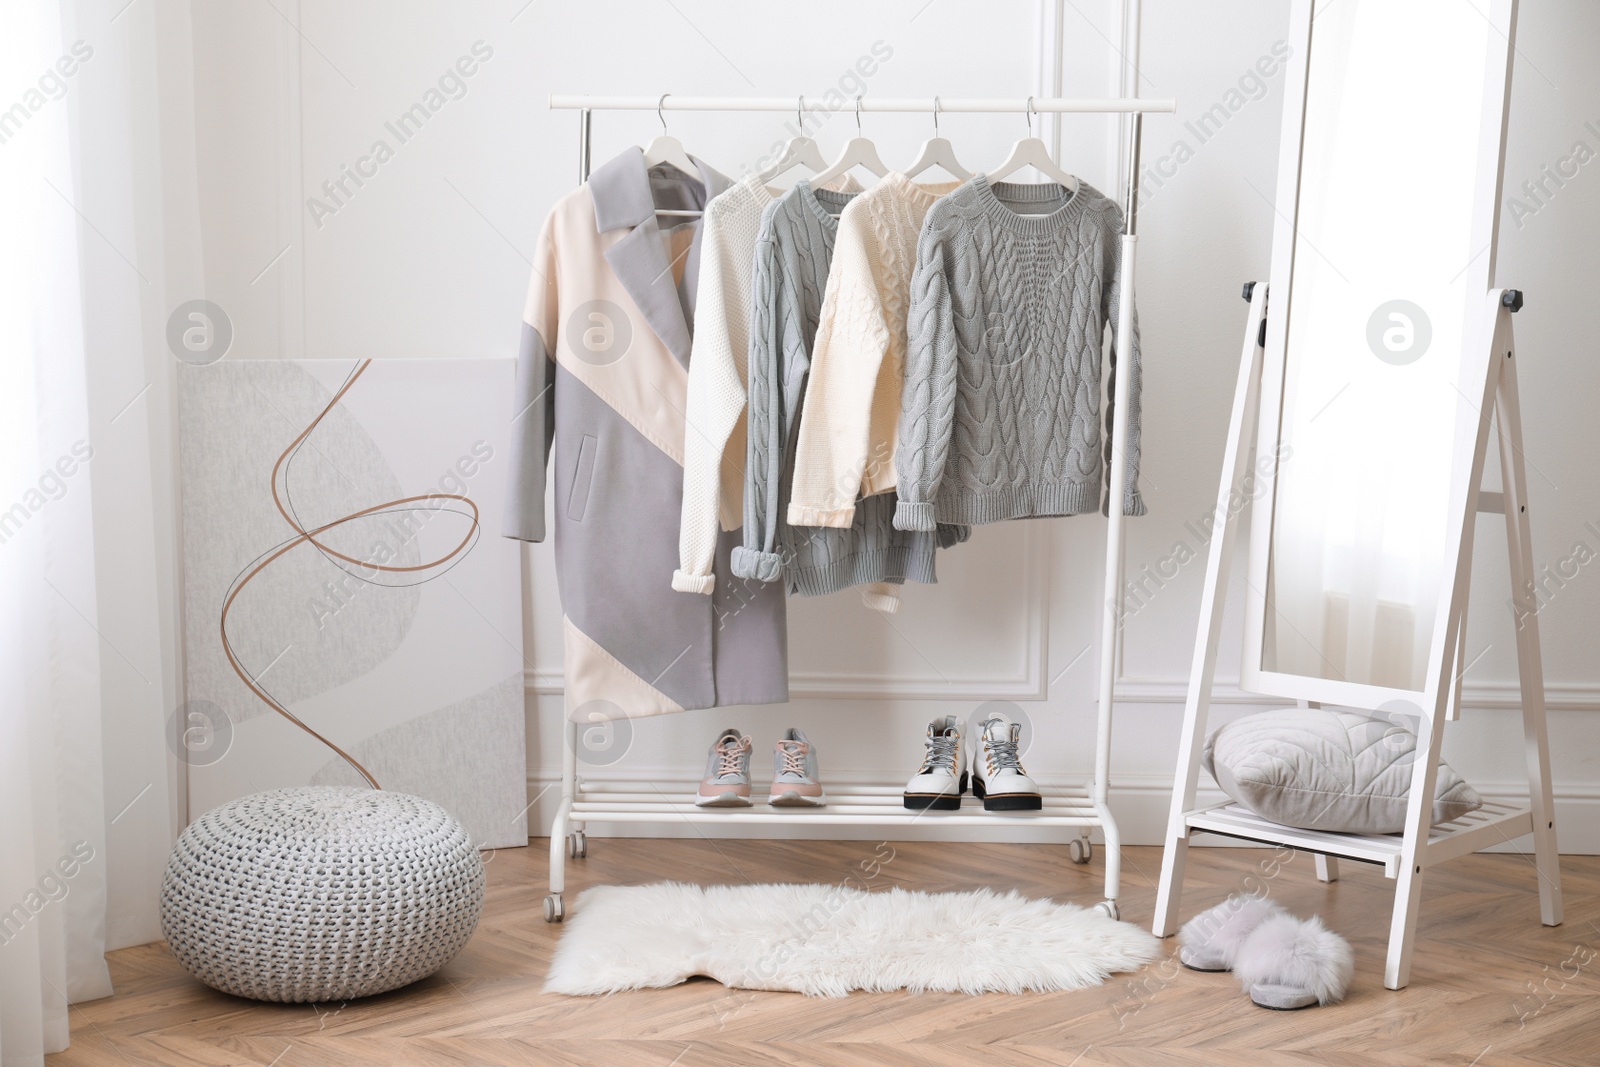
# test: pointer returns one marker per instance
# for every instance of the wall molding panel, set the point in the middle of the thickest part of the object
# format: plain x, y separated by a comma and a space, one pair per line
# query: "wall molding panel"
1030, 682
1487, 695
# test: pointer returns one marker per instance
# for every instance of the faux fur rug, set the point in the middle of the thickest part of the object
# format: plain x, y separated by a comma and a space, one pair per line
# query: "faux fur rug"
826, 940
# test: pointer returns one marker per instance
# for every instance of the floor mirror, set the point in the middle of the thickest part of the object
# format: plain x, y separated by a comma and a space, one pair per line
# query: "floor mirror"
1370, 391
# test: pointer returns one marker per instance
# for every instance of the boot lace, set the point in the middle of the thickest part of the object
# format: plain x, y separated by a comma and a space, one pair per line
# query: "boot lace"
1001, 754
941, 753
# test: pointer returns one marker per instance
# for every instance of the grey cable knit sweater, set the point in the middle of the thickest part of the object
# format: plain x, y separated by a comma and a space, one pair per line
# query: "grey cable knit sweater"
793, 252
999, 412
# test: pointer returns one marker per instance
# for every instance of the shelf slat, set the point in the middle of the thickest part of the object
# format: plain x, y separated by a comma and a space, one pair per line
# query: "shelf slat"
854, 805
826, 817
1491, 824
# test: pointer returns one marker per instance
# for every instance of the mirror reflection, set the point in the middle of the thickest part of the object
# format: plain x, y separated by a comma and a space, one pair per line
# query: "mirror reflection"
1371, 392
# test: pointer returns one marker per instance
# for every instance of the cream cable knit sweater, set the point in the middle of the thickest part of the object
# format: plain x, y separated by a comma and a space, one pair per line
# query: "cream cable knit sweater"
714, 436
852, 406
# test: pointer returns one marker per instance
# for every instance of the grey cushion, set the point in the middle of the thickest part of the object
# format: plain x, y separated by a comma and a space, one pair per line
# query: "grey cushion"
1323, 769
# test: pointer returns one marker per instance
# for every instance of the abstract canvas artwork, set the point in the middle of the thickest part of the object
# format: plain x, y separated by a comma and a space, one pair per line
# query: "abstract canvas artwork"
352, 614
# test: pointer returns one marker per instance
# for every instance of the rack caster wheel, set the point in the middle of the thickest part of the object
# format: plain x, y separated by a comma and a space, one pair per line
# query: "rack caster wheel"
553, 911
577, 845
1080, 850
1109, 908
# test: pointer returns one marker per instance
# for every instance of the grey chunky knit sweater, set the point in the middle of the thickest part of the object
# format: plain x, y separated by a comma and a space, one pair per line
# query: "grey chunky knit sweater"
1000, 409
793, 252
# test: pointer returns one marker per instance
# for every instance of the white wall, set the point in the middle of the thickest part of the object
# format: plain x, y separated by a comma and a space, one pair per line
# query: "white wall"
429, 258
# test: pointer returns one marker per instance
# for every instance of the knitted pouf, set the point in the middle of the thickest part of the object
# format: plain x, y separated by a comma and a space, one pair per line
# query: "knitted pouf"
320, 894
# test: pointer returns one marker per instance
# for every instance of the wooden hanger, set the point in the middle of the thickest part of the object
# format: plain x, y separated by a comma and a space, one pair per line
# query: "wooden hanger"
938, 152
668, 149
801, 151
859, 152
1031, 152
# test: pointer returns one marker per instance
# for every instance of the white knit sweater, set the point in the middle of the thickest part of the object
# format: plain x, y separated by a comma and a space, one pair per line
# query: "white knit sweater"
852, 407
714, 411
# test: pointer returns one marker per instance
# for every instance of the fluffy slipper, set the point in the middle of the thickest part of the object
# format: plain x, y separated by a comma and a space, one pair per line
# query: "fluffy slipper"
1287, 963
1210, 941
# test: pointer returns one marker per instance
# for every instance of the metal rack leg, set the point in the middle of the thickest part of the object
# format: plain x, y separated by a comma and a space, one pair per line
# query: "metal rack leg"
1117, 470
554, 907
1108, 826
1111, 609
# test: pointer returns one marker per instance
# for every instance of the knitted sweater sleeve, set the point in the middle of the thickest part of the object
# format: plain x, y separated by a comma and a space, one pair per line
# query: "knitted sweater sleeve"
1132, 502
774, 308
928, 397
715, 407
835, 433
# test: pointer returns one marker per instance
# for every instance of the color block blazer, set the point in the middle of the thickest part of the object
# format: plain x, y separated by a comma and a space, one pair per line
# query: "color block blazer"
602, 382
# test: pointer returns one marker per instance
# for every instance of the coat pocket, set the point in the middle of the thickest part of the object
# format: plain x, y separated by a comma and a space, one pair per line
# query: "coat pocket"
582, 478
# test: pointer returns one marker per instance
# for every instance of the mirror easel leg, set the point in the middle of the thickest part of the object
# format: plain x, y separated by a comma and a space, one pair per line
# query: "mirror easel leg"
1530, 667
1418, 825
1213, 598
1435, 704
1403, 927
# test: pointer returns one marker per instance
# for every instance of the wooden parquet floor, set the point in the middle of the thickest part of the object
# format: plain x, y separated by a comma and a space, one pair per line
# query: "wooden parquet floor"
1490, 987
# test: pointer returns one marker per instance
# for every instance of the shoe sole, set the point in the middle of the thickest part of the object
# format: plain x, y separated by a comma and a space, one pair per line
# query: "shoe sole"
1281, 997
932, 802
1006, 801
1207, 965
726, 800
937, 801
795, 800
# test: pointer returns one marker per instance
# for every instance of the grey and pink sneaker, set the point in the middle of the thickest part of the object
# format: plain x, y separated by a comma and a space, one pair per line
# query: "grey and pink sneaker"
727, 780
794, 773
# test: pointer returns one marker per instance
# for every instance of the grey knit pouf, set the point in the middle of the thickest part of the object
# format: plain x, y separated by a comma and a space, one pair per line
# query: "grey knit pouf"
321, 893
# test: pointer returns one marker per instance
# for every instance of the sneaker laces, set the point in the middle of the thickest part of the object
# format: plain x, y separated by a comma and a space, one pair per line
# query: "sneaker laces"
794, 757
731, 756
1002, 753
941, 752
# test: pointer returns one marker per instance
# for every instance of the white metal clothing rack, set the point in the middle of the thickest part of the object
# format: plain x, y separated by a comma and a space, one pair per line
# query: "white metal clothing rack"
1082, 808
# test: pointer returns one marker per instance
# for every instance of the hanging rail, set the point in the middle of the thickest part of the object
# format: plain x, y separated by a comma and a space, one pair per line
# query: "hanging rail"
976, 105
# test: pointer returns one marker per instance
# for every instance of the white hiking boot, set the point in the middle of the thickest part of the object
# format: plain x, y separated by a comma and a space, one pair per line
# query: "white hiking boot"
942, 778
997, 778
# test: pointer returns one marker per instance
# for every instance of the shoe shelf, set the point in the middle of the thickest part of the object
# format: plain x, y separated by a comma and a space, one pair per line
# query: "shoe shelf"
586, 800
864, 805
1491, 824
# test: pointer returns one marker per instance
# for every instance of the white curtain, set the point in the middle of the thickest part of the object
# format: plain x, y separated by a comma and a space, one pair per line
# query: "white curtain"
86, 780
52, 835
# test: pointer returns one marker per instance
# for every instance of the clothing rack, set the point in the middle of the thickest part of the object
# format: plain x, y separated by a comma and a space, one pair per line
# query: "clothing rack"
1082, 808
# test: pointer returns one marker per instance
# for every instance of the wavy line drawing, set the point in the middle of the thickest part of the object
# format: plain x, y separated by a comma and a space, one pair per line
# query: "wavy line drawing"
286, 509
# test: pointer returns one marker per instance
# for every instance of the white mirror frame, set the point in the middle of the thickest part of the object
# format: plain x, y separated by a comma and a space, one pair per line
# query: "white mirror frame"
1478, 336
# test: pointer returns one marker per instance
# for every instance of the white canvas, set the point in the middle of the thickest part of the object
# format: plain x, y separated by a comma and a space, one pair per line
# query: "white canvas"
418, 675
